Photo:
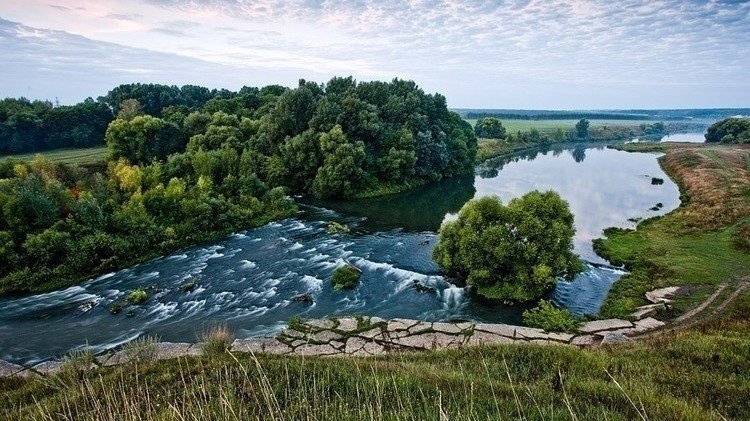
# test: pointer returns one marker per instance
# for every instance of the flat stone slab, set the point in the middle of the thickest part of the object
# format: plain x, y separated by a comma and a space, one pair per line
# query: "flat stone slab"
486, 338
264, 345
585, 340
647, 310
347, 324
448, 328
662, 295
312, 350
48, 367
530, 333
608, 324
497, 328
614, 337
648, 323
8, 369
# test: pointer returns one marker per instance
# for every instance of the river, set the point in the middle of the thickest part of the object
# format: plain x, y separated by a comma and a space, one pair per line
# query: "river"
248, 280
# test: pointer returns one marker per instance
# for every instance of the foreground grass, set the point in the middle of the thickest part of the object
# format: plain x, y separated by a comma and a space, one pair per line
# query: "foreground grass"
697, 244
67, 156
699, 374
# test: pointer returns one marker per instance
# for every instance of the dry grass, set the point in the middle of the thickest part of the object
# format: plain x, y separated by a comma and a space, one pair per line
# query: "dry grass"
217, 340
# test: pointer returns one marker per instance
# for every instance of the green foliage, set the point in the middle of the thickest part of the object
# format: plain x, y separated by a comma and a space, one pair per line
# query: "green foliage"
217, 340
141, 350
582, 128
512, 252
138, 296
730, 130
189, 285
550, 318
27, 126
336, 228
345, 278
490, 128
143, 140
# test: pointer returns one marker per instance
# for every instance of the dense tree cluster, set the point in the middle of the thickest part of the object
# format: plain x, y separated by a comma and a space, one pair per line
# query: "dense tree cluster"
512, 252
189, 164
730, 130
334, 140
490, 128
27, 126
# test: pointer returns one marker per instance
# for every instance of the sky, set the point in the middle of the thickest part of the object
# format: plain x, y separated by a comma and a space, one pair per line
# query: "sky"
545, 54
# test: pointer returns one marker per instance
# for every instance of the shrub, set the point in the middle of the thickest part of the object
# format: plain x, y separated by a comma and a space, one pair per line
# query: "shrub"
741, 236
514, 252
115, 308
138, 296
141, 350
656, 181
75, 363
336, 228
217, 340
345, 278
550, 318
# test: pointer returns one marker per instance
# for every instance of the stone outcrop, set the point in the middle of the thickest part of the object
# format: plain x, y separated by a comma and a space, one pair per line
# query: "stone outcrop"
371, 336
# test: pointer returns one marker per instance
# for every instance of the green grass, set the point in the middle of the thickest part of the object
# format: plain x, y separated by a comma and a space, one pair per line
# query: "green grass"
693, 246
696, 375
512, 126
67, 156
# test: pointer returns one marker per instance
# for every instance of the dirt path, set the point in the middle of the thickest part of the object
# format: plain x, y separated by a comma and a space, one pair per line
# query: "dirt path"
698, 314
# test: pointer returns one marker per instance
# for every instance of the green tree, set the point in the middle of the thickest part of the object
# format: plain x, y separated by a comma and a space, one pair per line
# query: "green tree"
342, 173
490, 128
730, 130
582, 128
512, 252
144, 139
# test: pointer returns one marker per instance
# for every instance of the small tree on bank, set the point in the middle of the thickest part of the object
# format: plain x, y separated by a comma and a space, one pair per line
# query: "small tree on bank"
582, 128
512, 252
490, 128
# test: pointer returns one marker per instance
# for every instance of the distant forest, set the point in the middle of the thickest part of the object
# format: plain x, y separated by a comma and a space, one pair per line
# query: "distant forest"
645, 114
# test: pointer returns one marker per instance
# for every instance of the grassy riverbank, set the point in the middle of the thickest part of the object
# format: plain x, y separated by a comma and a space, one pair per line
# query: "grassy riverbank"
701, 244
698, 374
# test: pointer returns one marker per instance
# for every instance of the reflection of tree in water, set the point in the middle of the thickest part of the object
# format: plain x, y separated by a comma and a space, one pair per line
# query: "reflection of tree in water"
579, 153
422, 209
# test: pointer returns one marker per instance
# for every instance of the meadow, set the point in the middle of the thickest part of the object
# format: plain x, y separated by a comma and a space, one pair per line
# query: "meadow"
81, 156
512, 126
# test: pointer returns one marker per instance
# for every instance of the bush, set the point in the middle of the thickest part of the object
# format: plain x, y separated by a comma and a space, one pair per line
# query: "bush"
513, 252
345, 278
336, 228
217, 340
550, 318
138, 296
141, 350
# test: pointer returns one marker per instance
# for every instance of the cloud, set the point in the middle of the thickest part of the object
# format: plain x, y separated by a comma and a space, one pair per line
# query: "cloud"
552, 53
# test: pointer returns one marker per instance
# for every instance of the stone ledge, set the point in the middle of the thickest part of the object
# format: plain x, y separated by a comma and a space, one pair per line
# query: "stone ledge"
372, 336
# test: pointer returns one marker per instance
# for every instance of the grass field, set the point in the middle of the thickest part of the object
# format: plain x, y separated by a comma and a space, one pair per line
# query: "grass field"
67, 156
696, 245
699, 374
513, 126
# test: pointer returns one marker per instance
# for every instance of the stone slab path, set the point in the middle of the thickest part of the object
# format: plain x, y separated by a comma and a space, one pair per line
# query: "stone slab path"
369, 336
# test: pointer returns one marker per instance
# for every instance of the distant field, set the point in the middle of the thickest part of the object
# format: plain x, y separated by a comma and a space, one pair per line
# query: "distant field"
550, 125
67, 156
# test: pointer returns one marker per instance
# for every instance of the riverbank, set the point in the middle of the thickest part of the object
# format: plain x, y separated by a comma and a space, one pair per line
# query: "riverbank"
644, 379
697, 246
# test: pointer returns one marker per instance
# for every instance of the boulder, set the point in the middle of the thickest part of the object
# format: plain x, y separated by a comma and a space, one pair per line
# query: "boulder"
648, 323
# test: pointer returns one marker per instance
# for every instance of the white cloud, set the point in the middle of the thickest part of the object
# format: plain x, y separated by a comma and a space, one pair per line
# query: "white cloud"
540, 53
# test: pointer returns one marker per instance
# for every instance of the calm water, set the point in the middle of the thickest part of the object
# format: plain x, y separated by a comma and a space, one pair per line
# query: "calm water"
249, 280
697, 137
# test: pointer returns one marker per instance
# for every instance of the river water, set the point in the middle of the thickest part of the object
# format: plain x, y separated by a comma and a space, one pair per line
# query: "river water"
248, 280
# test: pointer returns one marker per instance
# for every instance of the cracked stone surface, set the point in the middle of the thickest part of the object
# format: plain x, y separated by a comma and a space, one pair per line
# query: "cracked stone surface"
608, 324
327, 337
647, 310
48, 367
662, 295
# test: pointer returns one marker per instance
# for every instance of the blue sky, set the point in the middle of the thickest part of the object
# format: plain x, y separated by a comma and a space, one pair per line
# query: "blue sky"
550, 54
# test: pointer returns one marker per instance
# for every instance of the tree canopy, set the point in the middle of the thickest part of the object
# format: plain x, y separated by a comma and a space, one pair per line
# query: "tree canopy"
512, 252
490, 128
582, 128
730, 130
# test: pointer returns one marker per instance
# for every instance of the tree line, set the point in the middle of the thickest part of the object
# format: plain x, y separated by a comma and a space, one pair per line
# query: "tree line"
189, 165
730, 130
